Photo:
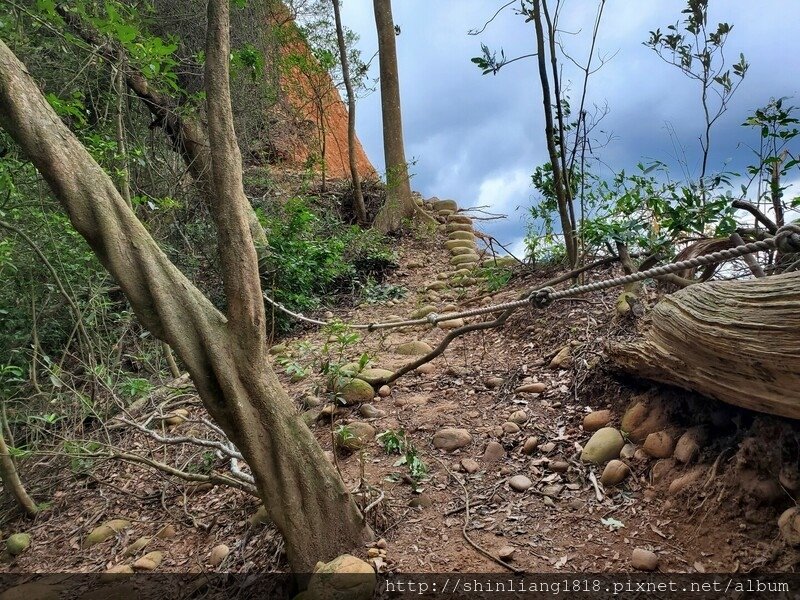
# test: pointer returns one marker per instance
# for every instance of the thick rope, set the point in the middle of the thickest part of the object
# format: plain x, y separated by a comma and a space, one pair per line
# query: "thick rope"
786, 240
541, 298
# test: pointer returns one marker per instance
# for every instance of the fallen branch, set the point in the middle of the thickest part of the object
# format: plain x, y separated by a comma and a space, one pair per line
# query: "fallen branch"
225, 448
760, 216
375, 502
498, 322
735, 341
445, 343
212, 478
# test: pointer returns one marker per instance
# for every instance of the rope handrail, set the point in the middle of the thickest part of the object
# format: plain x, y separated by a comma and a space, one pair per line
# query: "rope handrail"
786, 240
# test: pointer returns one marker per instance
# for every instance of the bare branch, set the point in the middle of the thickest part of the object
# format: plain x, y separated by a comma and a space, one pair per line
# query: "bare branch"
213, 478
494, 16
186, 439
760, 216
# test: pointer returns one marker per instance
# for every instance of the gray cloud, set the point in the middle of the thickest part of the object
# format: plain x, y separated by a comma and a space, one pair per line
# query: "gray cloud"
477, 138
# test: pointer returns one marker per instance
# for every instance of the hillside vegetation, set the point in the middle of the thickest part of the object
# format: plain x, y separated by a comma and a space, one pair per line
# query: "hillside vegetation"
230, 345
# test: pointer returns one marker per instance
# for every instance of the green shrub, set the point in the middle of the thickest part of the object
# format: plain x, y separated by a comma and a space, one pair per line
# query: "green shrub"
312, 257
496, 277
373, 292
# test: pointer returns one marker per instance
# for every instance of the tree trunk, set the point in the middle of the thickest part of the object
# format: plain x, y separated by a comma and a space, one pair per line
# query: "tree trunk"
358, 196
224, 354
736, 341
10, 477
118, 76
399, 202
555, 149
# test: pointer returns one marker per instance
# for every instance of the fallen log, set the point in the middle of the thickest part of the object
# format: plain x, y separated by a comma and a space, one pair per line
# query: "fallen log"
736, 341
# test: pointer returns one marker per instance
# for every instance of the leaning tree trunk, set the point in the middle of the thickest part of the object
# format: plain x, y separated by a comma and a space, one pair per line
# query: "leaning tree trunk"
9, 477
735, 341
225, 354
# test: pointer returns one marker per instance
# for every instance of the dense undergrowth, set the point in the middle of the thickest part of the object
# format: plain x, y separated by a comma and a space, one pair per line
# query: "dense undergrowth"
314, 257
71, 350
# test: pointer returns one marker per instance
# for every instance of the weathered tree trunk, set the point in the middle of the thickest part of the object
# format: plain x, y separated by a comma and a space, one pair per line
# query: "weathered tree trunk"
358, 196
399, 202
224, 354
736, 341
10, 477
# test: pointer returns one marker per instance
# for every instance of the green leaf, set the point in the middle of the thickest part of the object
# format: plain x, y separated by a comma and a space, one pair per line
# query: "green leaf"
125, 33
48, 7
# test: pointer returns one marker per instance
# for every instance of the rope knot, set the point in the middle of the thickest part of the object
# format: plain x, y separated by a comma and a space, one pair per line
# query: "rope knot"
541, 298
787, 239
431, 318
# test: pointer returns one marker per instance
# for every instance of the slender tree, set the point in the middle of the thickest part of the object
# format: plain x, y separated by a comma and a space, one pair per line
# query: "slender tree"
225, 354
699, 54
358, 196
399, 202
555, 137
10, 477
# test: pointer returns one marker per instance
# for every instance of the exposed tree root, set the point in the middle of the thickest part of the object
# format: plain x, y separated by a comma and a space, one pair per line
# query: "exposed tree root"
498, 322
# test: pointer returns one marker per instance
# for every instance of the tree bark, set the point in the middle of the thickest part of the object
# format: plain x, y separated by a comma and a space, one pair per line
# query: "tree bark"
10, 476
358, 195
224, 354
736, 341
561, 183
399, 202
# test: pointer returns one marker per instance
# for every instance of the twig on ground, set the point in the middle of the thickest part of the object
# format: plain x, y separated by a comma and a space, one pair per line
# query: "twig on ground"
375, 503
225, 448
480, 549
213, 478
597, 493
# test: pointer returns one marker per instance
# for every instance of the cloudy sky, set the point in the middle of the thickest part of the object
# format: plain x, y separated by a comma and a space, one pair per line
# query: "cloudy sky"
477, 138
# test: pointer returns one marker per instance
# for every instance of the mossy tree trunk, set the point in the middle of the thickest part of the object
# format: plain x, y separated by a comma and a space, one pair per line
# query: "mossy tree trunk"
226, 355
736, 341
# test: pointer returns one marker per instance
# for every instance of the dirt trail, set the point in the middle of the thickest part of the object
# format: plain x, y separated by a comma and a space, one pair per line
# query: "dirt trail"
721, 518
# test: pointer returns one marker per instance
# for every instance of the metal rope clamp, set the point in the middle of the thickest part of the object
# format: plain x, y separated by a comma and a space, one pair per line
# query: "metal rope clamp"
787, 239
541, 298
431, 318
